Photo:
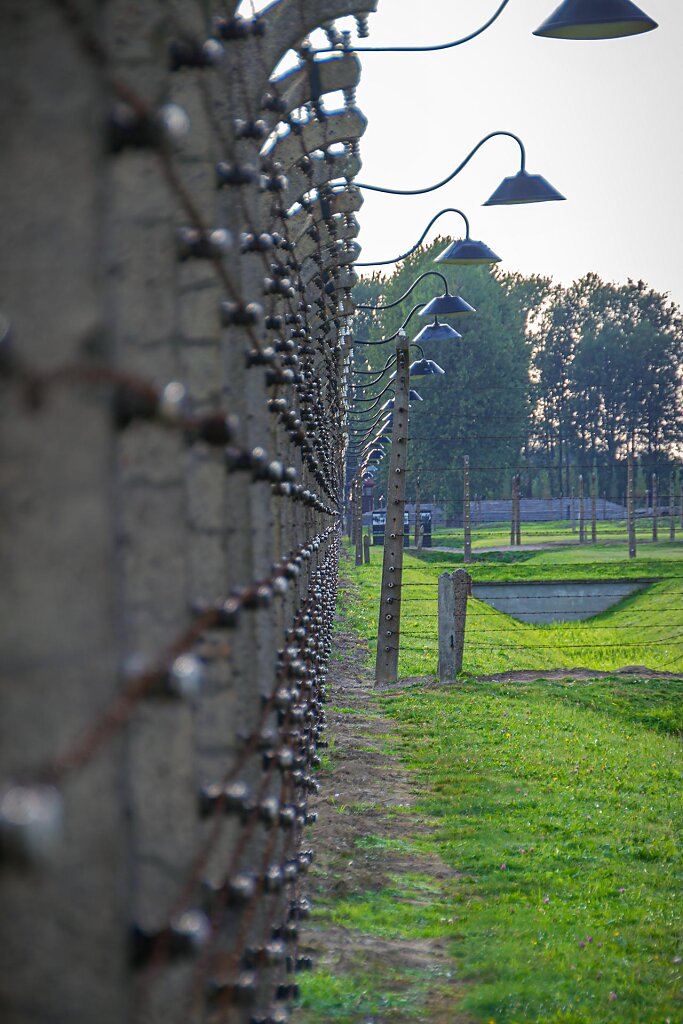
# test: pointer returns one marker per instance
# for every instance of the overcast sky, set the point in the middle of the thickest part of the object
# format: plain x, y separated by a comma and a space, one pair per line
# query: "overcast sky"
600, 120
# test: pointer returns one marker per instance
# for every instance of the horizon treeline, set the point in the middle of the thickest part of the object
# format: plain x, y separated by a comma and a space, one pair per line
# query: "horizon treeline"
549, 382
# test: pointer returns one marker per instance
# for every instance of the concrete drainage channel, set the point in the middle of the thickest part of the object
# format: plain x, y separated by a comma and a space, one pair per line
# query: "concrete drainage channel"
543, 601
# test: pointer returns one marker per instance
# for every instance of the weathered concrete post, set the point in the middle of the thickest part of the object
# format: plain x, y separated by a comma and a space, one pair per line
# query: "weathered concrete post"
518, 513
366, 549
389, 626
594, 507
582, 519
453, 593
572, 510
672, 509
467, 518
418, 513
655, 508
630, 511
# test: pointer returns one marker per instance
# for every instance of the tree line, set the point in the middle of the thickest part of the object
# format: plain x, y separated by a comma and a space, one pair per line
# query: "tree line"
548, 381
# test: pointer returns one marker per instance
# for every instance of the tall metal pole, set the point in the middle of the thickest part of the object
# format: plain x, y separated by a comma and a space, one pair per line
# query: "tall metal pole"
467, 524
389, 625
630, 511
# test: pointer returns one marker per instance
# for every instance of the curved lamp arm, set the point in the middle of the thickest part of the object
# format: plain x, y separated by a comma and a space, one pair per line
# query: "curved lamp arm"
369, 373
426, 49
427, 273
391, 337
458, 169
448, 209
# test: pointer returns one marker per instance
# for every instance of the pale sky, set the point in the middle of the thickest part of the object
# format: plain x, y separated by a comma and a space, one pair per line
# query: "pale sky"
600, 120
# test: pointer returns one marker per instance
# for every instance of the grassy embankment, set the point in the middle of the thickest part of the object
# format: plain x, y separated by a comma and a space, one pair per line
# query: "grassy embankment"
561, 531
645, 629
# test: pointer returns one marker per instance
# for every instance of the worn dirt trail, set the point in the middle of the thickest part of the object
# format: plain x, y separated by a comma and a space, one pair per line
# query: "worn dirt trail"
358, 794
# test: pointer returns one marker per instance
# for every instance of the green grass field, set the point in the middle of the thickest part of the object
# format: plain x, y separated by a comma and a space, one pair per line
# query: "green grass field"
557, 803
561, 531
645, 629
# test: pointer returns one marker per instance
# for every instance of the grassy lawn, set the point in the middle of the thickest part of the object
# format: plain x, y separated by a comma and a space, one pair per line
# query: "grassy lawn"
553, 532
645, 629
558, 804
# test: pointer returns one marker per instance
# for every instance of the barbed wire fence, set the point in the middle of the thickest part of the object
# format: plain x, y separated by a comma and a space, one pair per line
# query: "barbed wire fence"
173, 350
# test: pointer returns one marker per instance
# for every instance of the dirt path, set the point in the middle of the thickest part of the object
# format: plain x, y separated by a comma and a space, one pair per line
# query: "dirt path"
359, 791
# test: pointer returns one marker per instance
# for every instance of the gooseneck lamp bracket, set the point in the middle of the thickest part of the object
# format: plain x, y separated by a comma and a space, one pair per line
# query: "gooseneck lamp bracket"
427, 273
426, 49
383, 341
403, 256
461, 166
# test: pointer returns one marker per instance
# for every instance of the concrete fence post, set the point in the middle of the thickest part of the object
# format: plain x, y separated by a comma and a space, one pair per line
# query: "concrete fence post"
518, 512
594, 507
582, 518
366, 549
453, 593
672, 508
655, 508
513, 532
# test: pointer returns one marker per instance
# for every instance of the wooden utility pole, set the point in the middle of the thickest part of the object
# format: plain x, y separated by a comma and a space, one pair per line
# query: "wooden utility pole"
594, 507
655, 508
466, 518
389, 626
418, 521
630, 510
582, 520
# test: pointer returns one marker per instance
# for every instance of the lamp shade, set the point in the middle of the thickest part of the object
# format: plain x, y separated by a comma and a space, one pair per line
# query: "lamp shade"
523, 188
412, 397
437, 332
446, 305
467, 252
425, 368
595, 19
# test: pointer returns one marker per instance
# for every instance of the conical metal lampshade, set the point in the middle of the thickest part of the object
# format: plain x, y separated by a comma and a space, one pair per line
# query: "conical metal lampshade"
414, 397
467, 252
446, 305
437, 332
523, 188
595, 19
425, 368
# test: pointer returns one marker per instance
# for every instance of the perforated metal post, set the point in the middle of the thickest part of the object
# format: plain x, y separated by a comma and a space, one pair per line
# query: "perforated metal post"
389, 627
467, 524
